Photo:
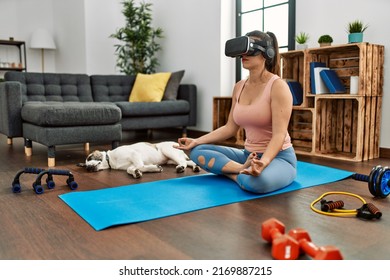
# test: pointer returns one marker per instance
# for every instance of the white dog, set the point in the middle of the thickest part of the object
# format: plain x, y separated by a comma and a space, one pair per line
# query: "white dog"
139, 158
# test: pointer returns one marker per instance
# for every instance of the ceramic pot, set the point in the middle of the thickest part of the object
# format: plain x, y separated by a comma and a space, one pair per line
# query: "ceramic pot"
355, 37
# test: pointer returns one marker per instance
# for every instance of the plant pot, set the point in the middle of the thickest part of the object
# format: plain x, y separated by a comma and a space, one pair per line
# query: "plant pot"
325, 44
355, 37
301, 46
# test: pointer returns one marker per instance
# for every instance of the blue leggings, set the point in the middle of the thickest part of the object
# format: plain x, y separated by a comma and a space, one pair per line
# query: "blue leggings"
278, 174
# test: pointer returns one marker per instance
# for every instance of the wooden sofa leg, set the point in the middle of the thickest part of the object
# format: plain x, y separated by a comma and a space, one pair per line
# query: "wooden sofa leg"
86, 147
184, 132
51, 153
28, 147
9, 140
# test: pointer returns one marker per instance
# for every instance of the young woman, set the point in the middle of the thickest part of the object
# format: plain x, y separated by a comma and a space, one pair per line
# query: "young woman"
262, 105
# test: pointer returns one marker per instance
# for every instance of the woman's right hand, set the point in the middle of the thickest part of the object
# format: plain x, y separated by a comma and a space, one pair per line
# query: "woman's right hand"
186, 143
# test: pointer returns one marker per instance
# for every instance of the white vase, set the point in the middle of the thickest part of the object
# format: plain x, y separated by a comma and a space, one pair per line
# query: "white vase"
301, 46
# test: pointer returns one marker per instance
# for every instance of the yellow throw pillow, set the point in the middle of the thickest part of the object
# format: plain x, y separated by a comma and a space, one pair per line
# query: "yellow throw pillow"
149, 87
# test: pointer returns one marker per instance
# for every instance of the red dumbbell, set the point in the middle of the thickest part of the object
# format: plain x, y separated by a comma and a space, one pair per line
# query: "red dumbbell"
315, 252
284, 247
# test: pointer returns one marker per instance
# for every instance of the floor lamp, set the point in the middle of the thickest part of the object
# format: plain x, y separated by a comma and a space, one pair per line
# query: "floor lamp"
42, 39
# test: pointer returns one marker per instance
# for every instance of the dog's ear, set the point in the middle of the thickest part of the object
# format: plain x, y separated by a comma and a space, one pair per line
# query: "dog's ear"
95, 155
81, 164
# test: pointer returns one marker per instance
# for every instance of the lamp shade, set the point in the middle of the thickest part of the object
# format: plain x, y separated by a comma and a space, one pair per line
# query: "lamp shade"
42, 39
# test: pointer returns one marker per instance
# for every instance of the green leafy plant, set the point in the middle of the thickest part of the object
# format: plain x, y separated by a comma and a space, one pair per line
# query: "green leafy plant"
138, 48
325, 39
302, 38
356, 26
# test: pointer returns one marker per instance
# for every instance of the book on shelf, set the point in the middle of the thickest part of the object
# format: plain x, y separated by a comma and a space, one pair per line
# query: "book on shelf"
313, 65
296, 91
332, 81
319, 83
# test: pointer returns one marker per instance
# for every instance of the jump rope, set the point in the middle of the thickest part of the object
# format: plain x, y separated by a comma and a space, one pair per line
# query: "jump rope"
379, 186
368, 211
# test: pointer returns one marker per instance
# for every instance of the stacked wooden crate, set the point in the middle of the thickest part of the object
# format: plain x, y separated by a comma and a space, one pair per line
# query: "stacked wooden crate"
343, 126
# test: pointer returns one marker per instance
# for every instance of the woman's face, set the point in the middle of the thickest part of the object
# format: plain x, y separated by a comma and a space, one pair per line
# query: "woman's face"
253, 62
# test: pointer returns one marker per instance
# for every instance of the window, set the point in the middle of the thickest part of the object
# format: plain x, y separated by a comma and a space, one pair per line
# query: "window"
277, 16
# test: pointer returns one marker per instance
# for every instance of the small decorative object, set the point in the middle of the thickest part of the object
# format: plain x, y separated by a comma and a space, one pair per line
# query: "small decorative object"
11, 38
354, 85
355, 30
325, 40
302, 38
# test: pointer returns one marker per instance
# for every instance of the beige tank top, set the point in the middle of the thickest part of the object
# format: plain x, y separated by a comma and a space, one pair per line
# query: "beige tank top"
256, 119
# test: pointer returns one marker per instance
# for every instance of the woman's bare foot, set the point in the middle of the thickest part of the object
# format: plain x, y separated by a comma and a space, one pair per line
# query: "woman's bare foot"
248, 161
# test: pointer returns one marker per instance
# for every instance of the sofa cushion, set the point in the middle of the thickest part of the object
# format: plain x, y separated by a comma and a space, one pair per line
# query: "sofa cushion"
111, 88
167, 107
70, 113
172, 88
52, 86
149, 87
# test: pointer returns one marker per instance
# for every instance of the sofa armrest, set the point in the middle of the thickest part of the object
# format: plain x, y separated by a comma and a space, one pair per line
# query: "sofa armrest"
10, 109
188, 92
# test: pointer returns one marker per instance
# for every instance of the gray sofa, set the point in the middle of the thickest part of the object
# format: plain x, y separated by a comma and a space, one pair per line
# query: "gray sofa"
58, 109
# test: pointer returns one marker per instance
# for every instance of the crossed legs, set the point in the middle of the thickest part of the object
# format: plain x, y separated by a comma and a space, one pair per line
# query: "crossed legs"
230, 161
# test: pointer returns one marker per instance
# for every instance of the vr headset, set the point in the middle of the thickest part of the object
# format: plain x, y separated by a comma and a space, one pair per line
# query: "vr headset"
245, 45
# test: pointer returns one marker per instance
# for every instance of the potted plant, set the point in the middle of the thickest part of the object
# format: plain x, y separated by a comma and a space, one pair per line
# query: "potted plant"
137, 51
302, 38
325, 40
355, 30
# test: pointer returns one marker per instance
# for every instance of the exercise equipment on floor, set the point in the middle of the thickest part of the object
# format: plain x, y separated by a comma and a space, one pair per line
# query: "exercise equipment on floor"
367, 211
378, 181
284, 247
37, 185
290, 246
50, 182
328, 252
16, 187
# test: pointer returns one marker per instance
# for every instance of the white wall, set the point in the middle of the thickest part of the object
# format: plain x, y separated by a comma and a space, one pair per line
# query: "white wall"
102, 18
19, 19
195, 33
70, 33
193, 41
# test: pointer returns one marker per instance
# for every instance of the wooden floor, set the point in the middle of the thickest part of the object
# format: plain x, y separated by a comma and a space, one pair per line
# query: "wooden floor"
43, 227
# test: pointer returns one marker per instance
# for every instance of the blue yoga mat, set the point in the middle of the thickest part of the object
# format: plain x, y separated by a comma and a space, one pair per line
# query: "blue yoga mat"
152, 200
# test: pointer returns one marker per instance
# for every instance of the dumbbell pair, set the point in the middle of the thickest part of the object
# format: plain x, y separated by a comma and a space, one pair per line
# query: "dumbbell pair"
290, 246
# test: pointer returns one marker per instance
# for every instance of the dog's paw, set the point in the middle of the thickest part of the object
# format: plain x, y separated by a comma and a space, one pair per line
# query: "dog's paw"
137, 174
180, 169
160, 168
196, 169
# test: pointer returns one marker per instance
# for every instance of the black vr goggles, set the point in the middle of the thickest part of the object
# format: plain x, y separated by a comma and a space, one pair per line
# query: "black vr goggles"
245, 45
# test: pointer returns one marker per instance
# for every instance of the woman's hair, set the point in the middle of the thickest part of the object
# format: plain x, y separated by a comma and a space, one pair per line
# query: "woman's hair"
272, 64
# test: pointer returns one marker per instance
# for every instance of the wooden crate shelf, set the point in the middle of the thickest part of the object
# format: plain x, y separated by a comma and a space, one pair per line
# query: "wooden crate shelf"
340, 126
301, 129
362, 59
